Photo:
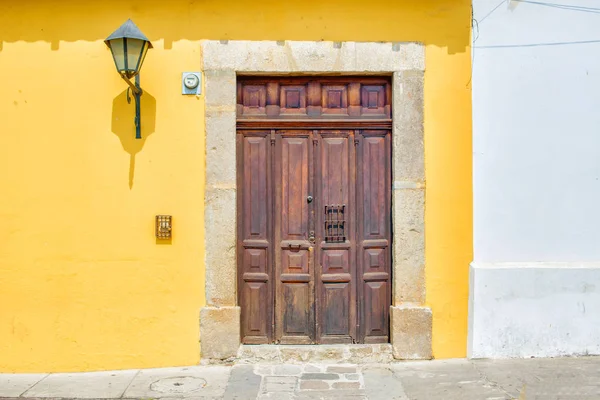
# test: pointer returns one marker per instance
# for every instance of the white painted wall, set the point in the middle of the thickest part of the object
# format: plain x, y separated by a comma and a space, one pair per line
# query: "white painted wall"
536, 162
536, 142
541, 310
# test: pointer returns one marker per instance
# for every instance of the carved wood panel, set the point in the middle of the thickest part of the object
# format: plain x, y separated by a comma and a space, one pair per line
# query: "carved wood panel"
314, 98
374, 234
254, 236
294, 259
336, 273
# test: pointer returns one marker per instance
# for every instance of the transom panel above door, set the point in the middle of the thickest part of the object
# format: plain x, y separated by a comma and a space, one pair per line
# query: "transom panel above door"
311, 99
314, 221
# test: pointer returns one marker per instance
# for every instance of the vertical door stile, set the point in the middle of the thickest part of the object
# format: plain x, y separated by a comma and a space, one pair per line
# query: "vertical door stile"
312, 253
277, 188
239, 147
352, 231
295, 269
315, 221
359, 236
272, 254
389, 230
375, 248
254, 244
336, 283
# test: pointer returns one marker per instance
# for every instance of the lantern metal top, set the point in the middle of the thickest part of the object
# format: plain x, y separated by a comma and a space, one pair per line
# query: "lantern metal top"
128, 30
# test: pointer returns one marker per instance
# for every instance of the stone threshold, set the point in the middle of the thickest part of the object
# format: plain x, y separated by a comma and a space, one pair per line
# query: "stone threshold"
323, 354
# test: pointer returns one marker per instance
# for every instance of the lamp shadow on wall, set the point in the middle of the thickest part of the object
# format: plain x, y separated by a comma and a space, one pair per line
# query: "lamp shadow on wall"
123, 117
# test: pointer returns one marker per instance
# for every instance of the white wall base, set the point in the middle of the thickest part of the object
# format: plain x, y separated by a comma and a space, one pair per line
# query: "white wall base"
534, 309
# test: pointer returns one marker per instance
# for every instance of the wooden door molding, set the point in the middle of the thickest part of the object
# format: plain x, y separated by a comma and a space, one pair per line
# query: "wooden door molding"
337, 99
294, 255
336, 272
223, 62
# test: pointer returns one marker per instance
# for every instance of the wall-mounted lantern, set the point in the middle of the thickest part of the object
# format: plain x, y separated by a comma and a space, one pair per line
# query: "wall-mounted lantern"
128, 46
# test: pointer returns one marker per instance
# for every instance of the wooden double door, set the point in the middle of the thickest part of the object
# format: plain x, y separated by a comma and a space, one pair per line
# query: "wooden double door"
314, 235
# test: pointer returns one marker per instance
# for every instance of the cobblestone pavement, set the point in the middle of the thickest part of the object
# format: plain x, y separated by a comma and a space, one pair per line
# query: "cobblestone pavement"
547, 379
529, 379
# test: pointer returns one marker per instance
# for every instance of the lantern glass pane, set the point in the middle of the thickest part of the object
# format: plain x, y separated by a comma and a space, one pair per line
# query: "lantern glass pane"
118, 52
143, 55
134, 53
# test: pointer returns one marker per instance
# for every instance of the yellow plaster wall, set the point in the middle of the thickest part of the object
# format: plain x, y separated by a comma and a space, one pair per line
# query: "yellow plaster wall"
83, 283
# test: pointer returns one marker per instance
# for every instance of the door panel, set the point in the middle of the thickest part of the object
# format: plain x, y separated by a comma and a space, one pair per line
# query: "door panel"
254, 233
336, 298
374, 233
294, 187
294, 298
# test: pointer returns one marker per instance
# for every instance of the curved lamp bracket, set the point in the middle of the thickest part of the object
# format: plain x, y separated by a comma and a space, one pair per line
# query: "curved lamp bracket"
137, 93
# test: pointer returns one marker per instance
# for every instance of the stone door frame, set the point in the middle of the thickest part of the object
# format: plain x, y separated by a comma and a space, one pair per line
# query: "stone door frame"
411, 319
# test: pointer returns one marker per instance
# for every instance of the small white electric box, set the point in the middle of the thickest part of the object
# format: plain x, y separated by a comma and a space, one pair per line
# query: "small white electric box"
191, 83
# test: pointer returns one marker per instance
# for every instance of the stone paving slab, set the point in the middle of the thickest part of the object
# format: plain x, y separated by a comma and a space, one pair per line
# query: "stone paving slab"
310, 380
86, 385
14, 385
244, 383
559, 378
184, 382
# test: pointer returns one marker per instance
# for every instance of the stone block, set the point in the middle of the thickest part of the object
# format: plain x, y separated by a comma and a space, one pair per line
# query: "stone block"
411, 332
360, 352
274, 396
262, 369
329, 353
352, 377
242, 380
314, 385
318, 56
346, 385
297, 354
279, 383
411, 55
322, 56
220, 149
333, 395
319, 377
338, 369
408, 131
220, 89
241, 55
409, 245
312, 368
220, 244
387, 57
283, 370
254, 354
219, 332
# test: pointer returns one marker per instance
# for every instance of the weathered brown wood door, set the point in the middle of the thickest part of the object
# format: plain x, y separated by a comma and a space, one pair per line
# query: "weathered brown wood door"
314, 223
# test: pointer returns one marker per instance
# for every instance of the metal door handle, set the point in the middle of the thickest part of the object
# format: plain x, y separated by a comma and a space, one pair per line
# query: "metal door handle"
311, 236
309, 199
